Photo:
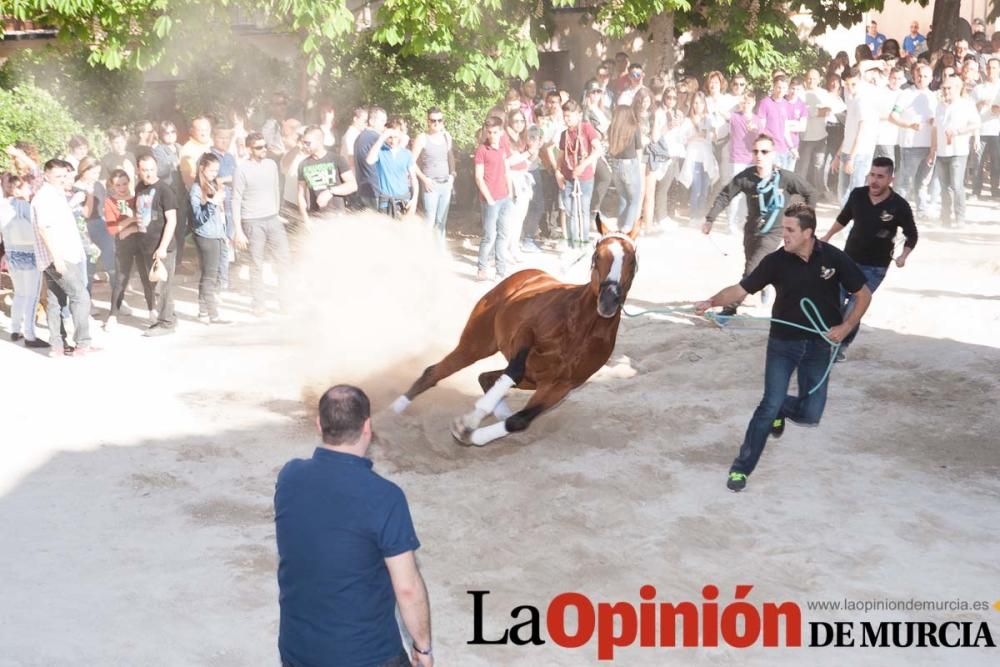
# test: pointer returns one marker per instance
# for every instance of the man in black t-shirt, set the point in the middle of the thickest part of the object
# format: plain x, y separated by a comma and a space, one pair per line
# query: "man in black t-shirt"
766, 188
878, 213
367, 174
325, 178
156, 208
805, 268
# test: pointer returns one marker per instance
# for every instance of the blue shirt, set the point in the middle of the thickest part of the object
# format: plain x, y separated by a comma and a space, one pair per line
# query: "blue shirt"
227, 167
910, 43
874, 43
208, 220
336, 522
394, 171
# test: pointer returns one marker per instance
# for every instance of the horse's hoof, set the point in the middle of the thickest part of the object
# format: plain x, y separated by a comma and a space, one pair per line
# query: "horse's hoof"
461, 432
400, 404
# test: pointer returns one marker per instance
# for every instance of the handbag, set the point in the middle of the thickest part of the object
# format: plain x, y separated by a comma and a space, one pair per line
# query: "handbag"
158, 271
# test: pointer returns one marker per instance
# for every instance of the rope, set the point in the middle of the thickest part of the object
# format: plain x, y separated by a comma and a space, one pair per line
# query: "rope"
809, 309
769, 212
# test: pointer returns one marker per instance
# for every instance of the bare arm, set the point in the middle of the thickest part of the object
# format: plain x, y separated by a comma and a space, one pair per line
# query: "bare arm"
168, 233
834, 230
303, 201
731, 294
411, 596
418, 148
481, 184
414, 189
349, 186
863, 299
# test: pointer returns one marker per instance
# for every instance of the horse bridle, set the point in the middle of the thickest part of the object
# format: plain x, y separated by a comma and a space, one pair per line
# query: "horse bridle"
635, 256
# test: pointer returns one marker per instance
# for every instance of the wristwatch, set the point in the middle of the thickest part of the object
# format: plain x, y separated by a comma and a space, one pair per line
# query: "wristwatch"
420, 651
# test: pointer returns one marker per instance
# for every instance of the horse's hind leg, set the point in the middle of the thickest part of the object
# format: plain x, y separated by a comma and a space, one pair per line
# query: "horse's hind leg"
543, 399
453, 362
463, 426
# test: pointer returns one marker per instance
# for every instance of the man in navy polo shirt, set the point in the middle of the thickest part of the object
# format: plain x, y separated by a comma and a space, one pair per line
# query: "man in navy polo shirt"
346, 552
805, 268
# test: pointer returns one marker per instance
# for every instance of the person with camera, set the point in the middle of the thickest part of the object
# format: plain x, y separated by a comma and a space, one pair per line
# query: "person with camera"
767, 189
397, 187
208, 220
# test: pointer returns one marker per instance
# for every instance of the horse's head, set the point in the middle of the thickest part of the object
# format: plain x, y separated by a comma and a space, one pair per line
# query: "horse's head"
612, 268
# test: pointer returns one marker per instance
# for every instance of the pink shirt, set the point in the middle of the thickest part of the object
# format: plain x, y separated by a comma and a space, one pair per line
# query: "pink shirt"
775, 113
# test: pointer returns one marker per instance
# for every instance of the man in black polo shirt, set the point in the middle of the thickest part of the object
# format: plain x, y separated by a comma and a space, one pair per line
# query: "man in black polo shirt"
805, 268
766, 188
346, 552
878, 213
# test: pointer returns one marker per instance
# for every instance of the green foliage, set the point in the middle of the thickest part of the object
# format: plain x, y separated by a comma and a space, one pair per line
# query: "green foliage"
30, 114
410, 85
221, 77
755, 58
95, 95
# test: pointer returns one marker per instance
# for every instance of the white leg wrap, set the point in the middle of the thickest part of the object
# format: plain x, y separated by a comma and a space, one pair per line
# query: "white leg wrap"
496, 393
400, 404
487, 434
502, 411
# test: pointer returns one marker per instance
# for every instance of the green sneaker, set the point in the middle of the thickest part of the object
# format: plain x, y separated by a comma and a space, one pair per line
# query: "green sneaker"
737, 481
777, 427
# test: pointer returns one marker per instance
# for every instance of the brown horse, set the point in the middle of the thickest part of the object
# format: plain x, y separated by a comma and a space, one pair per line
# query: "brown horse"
554, 336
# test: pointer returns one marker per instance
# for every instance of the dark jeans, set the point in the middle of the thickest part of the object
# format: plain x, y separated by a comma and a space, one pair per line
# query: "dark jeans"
402, 660
812, 155
914, 176
164, 288
266, 234
552, 198
874, 275
811, 358
209, 257
757, 246
184, 214
536, 208
68, 290
130, 251
991, 152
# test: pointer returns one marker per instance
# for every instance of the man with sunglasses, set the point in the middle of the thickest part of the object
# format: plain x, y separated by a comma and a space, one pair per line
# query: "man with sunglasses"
325, 179
434, 157
635, 78
256, 201
768, 190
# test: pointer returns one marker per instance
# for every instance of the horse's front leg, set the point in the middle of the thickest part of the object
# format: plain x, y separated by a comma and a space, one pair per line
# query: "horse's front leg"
543, 399
463, 426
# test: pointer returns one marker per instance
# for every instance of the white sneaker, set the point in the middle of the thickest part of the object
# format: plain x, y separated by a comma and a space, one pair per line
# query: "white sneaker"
125, 309
111, 323
154, 315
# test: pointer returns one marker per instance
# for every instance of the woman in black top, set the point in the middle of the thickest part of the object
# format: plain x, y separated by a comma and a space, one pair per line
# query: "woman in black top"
625, 146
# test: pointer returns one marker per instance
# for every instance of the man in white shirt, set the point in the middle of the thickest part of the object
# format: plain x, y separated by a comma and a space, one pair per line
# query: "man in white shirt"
358, 125
987, 97
60, 254
887, 142
955, 121
812, 147
914, 114
860, 128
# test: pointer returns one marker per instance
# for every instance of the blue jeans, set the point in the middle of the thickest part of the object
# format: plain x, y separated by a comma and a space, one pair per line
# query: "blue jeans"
627, 178
847, 182
577, 231
494, 235
950, 173
698, 194
436, 202
810, 357
99, 234
874, 275
991, 149
68, 297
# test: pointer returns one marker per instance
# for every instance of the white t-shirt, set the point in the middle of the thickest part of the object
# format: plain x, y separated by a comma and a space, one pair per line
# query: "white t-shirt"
986, 93
815, 123
916, 106
862, 107
888, 132
51, 212
959, 114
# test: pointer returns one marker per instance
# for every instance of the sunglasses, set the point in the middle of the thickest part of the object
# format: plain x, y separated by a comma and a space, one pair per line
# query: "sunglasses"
760, 151
259, 148
435, 120
517, 121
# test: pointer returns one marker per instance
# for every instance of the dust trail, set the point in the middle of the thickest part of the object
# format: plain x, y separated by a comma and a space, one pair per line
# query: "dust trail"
375, 301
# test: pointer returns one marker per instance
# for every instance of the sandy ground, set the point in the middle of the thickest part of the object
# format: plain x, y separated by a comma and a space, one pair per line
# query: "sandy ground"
136, 485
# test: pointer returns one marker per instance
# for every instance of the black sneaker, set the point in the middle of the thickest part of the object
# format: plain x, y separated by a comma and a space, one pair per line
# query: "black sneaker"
737, 482
14, 337
36, 343
841, 356
158, 330
778, 427
728, 311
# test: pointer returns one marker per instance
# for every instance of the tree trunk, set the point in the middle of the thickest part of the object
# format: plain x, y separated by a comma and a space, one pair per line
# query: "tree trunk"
661, 27
945, 22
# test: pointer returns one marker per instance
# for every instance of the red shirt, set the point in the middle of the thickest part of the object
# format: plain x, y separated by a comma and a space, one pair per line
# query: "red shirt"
506, 145
575, 145
115, 210
494, 173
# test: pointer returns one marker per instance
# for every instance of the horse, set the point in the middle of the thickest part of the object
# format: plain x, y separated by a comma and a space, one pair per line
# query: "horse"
554, 336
